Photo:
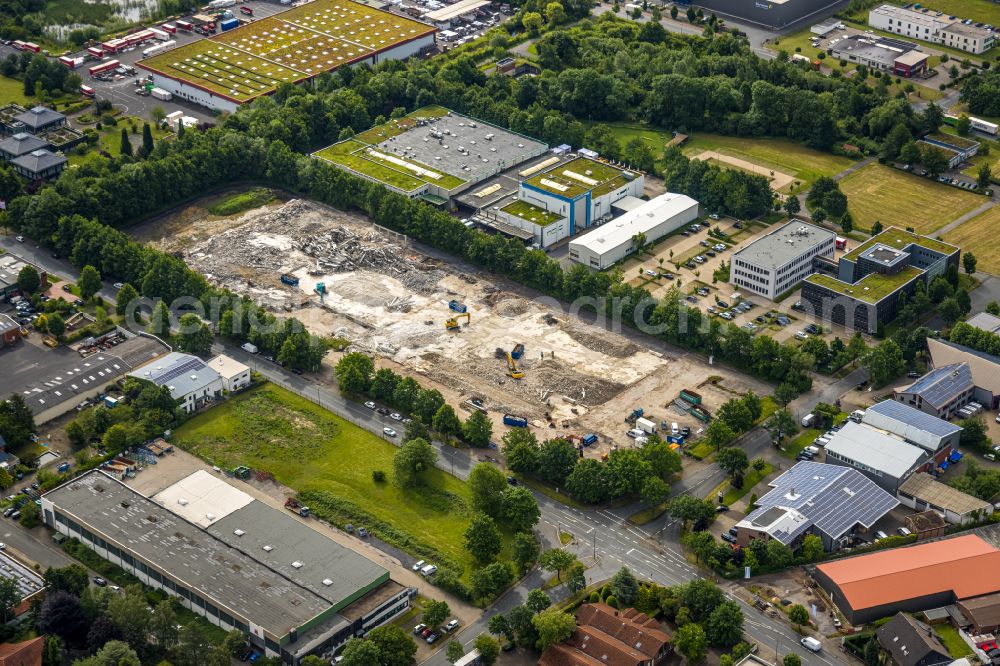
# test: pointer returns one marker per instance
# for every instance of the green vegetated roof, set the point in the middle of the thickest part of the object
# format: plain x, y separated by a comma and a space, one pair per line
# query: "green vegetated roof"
953, 140
357, 155
222, 69
531, 213
255, 58
397, 126
870, 289
348, 154
556, 181
897, 239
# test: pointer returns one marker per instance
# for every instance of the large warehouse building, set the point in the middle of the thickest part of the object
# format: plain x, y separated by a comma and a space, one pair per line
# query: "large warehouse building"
233, 559
612, 242
770, 13
431, 153
915, 578
298, 44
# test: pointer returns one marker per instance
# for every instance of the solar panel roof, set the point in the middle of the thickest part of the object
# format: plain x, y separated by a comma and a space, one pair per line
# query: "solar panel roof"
833, 498
941, 385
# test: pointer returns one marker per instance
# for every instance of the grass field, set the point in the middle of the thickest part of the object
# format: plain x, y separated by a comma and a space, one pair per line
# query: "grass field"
341, 153
895, 197
310, 449
979, 235
783, 155
801, 441
12, 90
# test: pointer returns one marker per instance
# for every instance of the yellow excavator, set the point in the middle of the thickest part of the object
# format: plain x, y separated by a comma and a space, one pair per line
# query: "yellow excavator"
451, 323
512, 368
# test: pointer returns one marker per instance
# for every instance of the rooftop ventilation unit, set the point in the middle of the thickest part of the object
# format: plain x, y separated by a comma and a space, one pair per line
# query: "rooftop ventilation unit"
327, 582
296, 564
267, 549
239, 532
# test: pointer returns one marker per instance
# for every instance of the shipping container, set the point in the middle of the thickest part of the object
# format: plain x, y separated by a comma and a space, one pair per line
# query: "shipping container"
185, 25
515, 421
103, 67
161, 35
169, 27
217, 4
160, 94
229, 24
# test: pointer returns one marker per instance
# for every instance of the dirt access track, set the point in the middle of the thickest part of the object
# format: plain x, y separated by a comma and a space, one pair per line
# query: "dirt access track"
390, 299
777, 178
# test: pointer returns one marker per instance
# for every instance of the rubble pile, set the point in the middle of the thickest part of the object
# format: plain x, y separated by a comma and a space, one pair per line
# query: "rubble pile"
617, 347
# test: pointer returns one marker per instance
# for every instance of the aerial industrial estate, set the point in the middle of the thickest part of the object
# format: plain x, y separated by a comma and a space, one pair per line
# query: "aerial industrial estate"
432, 332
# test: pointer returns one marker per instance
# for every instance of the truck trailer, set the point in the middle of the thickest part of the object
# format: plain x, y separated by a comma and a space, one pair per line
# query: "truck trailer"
515, 421
161, 35
645, 425
229, 24
161, 94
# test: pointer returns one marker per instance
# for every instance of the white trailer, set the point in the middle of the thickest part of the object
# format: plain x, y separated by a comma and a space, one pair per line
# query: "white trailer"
645, 425
161, 35
983, 126
161, 94
159, 48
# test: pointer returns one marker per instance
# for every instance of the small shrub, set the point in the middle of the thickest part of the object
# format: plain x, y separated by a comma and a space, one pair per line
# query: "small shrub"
378, 476
594, 597
612, 601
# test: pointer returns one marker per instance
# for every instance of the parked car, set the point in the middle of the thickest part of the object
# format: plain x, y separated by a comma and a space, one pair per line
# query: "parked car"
451, 626
370, 405
19, 239
383, 411
419, 629
363, 532
389, 431
811, 644
650, 273
722, 304
719, 247
430, 639
726, 536
395, 417
511, 481
100, 582
714, 216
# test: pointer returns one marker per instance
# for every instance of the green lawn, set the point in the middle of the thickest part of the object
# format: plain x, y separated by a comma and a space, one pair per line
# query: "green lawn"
895, 197
948, 634
12, 91
751, 479
801, 441
312, 450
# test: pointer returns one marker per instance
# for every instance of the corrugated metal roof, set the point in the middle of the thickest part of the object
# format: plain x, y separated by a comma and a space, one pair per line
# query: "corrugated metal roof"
875, 449
985, 367
909, 423
925, 487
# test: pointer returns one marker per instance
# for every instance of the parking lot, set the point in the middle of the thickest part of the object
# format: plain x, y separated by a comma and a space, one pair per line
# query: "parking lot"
121, 90
690, 258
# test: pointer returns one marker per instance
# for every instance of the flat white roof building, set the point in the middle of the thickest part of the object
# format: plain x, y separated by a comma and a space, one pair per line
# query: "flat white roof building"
776, 262
885, 459
930, 27
201, 498
234, 374
612, 242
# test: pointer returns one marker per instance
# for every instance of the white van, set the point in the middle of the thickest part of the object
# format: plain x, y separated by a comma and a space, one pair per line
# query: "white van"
821, 441
813, 450
674, 429
881, 535
903, 531
429, 570
811, 644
